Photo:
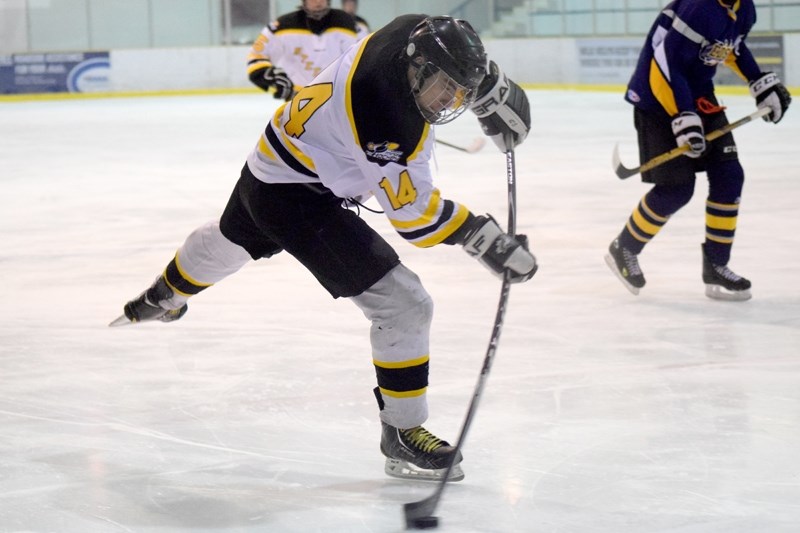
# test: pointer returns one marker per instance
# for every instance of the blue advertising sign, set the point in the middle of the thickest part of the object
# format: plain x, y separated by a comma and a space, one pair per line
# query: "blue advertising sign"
74, 72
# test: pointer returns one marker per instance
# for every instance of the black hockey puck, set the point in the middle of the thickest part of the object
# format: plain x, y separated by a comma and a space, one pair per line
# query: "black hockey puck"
425, 522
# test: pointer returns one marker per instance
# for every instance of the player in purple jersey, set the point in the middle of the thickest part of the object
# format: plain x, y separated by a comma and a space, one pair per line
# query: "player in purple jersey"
672, 91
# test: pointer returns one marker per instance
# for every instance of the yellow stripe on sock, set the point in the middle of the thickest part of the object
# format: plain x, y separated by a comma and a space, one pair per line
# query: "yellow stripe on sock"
404, 394
401, 364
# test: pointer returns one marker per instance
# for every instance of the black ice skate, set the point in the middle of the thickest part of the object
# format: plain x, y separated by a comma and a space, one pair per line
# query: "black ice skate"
722, 283
145, 308
416, 454
624, 264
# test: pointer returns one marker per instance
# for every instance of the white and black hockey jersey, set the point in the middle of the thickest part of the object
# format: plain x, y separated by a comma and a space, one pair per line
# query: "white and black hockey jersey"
301, 46
356, 130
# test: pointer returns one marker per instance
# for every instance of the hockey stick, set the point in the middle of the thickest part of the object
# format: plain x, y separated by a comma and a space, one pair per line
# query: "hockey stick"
419, 515
624, 172
476, 145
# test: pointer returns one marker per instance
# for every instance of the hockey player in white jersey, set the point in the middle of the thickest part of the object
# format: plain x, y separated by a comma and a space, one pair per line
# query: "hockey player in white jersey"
293, 49
363, 128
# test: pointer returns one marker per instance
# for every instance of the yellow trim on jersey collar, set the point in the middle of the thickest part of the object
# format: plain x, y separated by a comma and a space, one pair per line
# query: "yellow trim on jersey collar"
348, 90
299, 31
425, 131
348, 101
732, 10
302, 31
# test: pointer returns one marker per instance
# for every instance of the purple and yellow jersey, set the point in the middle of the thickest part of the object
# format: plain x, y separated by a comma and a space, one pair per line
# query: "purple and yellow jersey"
687, 41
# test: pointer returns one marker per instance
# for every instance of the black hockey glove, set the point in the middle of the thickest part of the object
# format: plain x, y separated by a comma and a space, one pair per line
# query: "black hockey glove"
274, 77
502, 109
688, 129
284, 88
769, 92
499, 251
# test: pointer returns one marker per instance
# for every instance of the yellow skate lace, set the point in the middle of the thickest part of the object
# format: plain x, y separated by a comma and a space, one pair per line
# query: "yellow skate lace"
423, 439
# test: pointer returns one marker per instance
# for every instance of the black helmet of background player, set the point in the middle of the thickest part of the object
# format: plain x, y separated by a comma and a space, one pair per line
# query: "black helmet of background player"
316, 9
447, 63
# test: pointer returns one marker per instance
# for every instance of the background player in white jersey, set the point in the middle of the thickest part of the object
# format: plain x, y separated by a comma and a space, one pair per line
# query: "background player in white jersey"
672, 92
351, 7
363, 128
292, 50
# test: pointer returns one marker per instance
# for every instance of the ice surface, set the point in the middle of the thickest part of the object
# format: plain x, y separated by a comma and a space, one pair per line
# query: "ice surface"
605, 412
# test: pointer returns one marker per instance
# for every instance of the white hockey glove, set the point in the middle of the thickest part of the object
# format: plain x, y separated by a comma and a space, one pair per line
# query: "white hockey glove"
688, 129
769, 92
499, 251
502, 109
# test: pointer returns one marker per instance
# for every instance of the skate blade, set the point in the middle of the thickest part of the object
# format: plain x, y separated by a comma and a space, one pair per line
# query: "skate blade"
122, 320
613, 266
405, 470
717, 292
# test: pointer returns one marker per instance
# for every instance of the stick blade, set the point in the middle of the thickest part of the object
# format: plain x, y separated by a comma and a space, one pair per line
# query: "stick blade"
621, 170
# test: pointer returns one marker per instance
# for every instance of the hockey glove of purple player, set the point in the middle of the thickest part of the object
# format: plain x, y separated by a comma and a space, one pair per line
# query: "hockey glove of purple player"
499, 251
688, 129
502, 109
769, 92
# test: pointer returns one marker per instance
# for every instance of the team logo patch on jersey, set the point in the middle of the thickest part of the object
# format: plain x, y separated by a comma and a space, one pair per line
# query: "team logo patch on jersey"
714, 53
384, 151
633, 96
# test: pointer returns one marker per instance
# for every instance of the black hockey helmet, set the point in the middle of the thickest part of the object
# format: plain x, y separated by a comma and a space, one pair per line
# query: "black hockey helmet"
452, 47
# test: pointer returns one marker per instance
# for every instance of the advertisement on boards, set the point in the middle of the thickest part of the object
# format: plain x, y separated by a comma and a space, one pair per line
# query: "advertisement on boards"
72, 72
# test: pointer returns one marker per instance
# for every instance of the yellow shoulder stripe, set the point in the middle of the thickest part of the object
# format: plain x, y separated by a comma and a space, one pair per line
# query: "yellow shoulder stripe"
348, 94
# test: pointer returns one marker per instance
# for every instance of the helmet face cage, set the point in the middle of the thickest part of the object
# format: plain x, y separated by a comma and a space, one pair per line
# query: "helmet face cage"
439, 98
449, 63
